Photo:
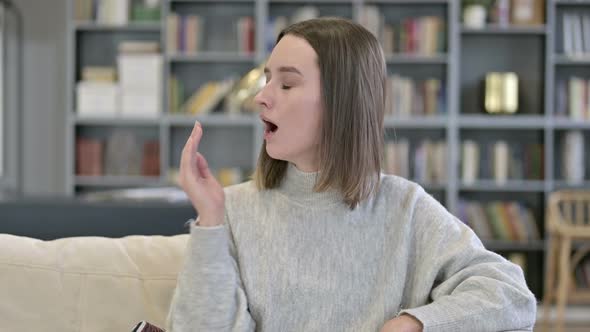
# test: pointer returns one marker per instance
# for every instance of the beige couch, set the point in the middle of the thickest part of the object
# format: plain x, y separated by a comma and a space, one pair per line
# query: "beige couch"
87, 284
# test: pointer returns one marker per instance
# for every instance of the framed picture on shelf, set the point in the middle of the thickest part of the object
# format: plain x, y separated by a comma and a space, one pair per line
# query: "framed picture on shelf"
527, 12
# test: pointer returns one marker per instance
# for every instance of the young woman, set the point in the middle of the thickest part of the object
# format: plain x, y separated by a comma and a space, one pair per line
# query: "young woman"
320, 240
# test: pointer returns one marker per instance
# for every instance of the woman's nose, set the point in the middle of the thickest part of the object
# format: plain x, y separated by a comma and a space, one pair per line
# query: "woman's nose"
262, 98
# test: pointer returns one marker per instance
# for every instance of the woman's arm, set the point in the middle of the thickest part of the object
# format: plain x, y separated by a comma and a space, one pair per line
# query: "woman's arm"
209, 295
471, 289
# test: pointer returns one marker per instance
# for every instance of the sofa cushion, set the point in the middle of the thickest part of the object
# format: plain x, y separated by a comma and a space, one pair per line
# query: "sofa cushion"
87, 284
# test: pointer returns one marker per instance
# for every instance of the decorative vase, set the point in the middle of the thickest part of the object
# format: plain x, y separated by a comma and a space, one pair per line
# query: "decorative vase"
474, 16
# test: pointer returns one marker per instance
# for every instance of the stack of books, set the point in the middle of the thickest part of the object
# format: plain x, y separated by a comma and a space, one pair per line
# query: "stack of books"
576, 34
572, 98
508, 221
186, 35
428, 165
501, 161
408, 97
423, 35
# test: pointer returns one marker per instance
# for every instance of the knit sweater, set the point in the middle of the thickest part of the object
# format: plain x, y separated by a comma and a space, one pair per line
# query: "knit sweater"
291, 259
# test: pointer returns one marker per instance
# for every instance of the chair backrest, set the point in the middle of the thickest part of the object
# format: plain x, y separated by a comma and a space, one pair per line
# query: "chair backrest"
569, 212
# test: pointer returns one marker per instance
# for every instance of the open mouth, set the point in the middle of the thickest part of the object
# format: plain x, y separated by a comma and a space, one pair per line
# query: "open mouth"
270, 127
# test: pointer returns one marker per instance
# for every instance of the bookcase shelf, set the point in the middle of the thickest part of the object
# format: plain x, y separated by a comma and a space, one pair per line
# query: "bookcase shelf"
319, 2
464, 57
566, 123
114, 121
399, 58
415, 122
571, 2
407, 2
508, 186
211, 1
502, 121
131, 27
561, 184
564, 60
213, 120
216, 57
432, 186
118, 181
509, 30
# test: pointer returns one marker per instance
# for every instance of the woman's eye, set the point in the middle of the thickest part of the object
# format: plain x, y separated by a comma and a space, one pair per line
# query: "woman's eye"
285, 87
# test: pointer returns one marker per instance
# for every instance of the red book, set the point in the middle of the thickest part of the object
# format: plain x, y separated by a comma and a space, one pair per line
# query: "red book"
89, 157
150, 165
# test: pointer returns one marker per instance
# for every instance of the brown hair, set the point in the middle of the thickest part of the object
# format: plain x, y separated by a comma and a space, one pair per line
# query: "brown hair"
353, 76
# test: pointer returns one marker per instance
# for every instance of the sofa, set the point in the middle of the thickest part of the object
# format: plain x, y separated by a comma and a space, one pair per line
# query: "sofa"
86, 283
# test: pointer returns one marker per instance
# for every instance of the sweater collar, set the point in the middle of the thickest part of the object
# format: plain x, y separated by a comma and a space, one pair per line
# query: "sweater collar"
298, 186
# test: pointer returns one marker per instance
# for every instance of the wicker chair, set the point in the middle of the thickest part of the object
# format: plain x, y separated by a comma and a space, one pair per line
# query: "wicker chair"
568, 230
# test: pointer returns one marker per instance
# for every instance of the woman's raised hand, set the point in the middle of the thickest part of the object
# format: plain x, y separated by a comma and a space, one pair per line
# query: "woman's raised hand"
201, 187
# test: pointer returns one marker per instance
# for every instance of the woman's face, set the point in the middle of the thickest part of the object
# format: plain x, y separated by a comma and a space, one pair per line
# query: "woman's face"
291, 103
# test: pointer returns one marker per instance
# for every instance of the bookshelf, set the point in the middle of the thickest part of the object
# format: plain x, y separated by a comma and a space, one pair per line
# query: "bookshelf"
459, 62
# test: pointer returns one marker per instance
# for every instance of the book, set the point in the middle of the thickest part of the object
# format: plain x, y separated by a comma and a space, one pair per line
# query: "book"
501, 13
501, 92
501, 157
138, 47
89, 156
397, 156
171, 33
83, 10
193, 34
409, 97
122, 154
500, 220
568, 43
573, 167
576, 35
469, 161
99, 74
208, 96
150, 164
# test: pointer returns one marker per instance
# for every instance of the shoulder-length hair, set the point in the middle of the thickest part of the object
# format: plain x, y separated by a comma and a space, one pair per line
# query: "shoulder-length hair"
353, 78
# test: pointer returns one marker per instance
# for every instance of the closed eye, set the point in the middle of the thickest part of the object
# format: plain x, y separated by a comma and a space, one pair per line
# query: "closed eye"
284, 87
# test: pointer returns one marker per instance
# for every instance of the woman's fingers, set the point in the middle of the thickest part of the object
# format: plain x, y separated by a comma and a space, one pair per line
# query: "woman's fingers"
203, 167
196, 134
189, 152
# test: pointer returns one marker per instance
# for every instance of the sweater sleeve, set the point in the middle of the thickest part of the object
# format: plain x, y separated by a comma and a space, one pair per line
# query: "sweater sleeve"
209, 295
468, 287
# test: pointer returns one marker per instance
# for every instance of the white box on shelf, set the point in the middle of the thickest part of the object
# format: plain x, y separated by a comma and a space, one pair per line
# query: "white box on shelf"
140, 105
140, 72
97, 99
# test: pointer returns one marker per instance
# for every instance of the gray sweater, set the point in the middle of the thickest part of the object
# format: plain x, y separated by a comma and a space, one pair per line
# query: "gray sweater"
290, 259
